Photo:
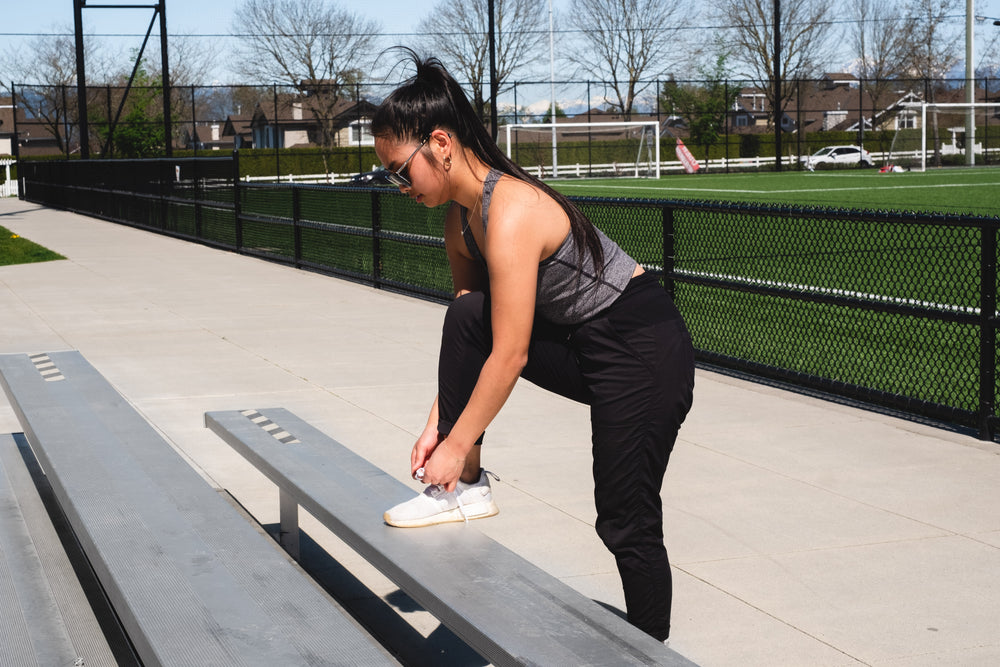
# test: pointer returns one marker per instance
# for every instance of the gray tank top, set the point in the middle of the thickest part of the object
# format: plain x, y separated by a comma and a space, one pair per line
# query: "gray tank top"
567, 292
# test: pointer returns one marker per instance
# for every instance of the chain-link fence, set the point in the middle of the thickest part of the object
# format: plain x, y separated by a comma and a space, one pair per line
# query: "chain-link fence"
321, 133
897, 310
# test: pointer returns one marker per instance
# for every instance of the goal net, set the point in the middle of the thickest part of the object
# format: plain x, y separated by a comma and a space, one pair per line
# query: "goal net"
937, 135
566, 150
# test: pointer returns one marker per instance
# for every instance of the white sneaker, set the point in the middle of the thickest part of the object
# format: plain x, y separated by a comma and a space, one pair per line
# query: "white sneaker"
435, 505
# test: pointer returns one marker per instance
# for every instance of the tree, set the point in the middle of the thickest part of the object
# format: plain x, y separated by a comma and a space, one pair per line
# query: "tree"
704, 106
627, 43
881, 40
45, 80
317, 48
933, 51
806, 35
462, 42
547, 118
139, 130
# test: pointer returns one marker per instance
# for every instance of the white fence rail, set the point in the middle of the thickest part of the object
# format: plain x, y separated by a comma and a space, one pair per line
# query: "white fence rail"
625, 170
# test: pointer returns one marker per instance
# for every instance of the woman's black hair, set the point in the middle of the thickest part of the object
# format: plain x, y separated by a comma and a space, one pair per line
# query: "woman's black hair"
432, 99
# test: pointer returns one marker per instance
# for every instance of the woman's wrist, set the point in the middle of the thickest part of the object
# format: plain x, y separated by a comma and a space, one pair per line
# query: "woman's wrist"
454, 451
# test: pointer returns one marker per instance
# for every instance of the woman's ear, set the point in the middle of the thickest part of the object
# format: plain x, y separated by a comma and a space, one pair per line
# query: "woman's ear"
441, 143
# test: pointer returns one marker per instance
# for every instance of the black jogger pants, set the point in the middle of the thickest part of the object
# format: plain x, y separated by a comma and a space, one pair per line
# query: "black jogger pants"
633, 364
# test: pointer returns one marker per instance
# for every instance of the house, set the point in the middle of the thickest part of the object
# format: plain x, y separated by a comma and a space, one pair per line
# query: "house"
238, 132
834, 102
291, 121
750, 110
838, 102
205, 135
34, 137
6, 126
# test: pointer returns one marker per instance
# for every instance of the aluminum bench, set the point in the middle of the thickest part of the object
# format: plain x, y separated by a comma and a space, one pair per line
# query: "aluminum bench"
193, 582
36, 629
508, 610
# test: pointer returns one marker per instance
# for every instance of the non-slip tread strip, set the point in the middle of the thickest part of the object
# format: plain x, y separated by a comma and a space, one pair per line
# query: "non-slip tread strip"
266, 424
46, 367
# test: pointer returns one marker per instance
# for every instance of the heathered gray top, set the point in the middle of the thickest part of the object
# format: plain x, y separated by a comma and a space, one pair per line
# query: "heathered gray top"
567, 293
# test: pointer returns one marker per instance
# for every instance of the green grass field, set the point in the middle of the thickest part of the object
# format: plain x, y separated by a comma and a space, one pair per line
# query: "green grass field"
932, 266
960, 191
17, 250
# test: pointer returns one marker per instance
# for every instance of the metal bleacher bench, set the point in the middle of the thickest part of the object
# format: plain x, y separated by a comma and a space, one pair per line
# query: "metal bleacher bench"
37, 629
508, 610
192, 581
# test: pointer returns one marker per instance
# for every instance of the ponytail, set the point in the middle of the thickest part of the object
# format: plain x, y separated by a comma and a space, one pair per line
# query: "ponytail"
432, 99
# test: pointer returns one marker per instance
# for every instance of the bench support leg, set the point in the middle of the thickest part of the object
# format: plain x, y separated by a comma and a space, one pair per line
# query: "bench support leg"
288, 535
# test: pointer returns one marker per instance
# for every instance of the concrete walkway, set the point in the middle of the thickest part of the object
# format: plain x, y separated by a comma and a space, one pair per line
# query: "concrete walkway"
801, 532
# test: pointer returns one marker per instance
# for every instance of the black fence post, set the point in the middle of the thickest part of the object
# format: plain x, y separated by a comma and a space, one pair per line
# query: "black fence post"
668, 249
237, 201
376, 238
987, 329
164, 191
296, 226
198, 196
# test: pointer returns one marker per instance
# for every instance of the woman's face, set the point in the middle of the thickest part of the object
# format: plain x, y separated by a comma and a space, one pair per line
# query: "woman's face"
414, 172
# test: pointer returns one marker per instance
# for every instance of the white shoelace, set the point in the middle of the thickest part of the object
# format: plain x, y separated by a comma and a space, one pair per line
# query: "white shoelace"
438, 490
458, 497
461, 508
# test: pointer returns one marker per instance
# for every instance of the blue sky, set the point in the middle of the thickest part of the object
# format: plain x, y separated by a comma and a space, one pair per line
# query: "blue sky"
28, 17
215, 16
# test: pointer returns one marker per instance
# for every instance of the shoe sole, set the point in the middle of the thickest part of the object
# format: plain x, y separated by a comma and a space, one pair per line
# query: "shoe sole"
472, 512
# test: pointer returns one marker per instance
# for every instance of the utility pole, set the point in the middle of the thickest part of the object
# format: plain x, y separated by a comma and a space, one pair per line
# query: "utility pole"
552, 89
165, 70
777, 85
81, 82
970, 83
493, 71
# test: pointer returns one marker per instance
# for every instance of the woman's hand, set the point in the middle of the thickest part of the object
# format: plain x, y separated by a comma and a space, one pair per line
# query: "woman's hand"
423, 448
444, 466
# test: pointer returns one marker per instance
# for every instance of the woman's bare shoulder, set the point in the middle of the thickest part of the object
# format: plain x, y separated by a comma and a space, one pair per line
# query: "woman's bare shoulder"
515, 198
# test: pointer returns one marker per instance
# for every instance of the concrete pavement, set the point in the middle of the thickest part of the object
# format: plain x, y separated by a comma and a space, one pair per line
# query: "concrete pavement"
802, 532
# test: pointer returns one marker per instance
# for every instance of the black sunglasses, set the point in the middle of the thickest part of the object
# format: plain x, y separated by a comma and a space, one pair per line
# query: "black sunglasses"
396, 177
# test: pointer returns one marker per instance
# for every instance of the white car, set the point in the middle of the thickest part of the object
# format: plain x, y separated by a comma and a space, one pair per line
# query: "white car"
839, 155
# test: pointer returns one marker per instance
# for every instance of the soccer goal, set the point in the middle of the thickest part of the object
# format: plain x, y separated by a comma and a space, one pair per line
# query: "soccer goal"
560, 150
940, 136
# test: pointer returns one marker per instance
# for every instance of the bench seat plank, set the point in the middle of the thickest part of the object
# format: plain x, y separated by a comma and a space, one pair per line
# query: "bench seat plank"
193, 582
32, 631
55, 558
510, 611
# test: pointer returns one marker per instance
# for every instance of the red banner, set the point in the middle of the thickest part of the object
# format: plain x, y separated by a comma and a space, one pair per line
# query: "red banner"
684, 155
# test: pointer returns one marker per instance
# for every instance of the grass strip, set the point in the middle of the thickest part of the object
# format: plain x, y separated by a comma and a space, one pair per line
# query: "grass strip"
17, 250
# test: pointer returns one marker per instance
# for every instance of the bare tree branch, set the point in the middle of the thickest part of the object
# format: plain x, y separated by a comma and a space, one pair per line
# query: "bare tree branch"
807, 34
315, 47
463, 45
628, 43
881, 38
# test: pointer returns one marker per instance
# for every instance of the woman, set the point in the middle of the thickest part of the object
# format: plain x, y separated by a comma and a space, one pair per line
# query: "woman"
530, 303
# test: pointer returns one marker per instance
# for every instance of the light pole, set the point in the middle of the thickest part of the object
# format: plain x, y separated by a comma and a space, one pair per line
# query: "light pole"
970, 79
552, 89
970, 84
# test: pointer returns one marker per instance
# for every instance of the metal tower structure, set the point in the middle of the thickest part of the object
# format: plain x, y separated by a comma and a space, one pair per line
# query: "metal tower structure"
159, 12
